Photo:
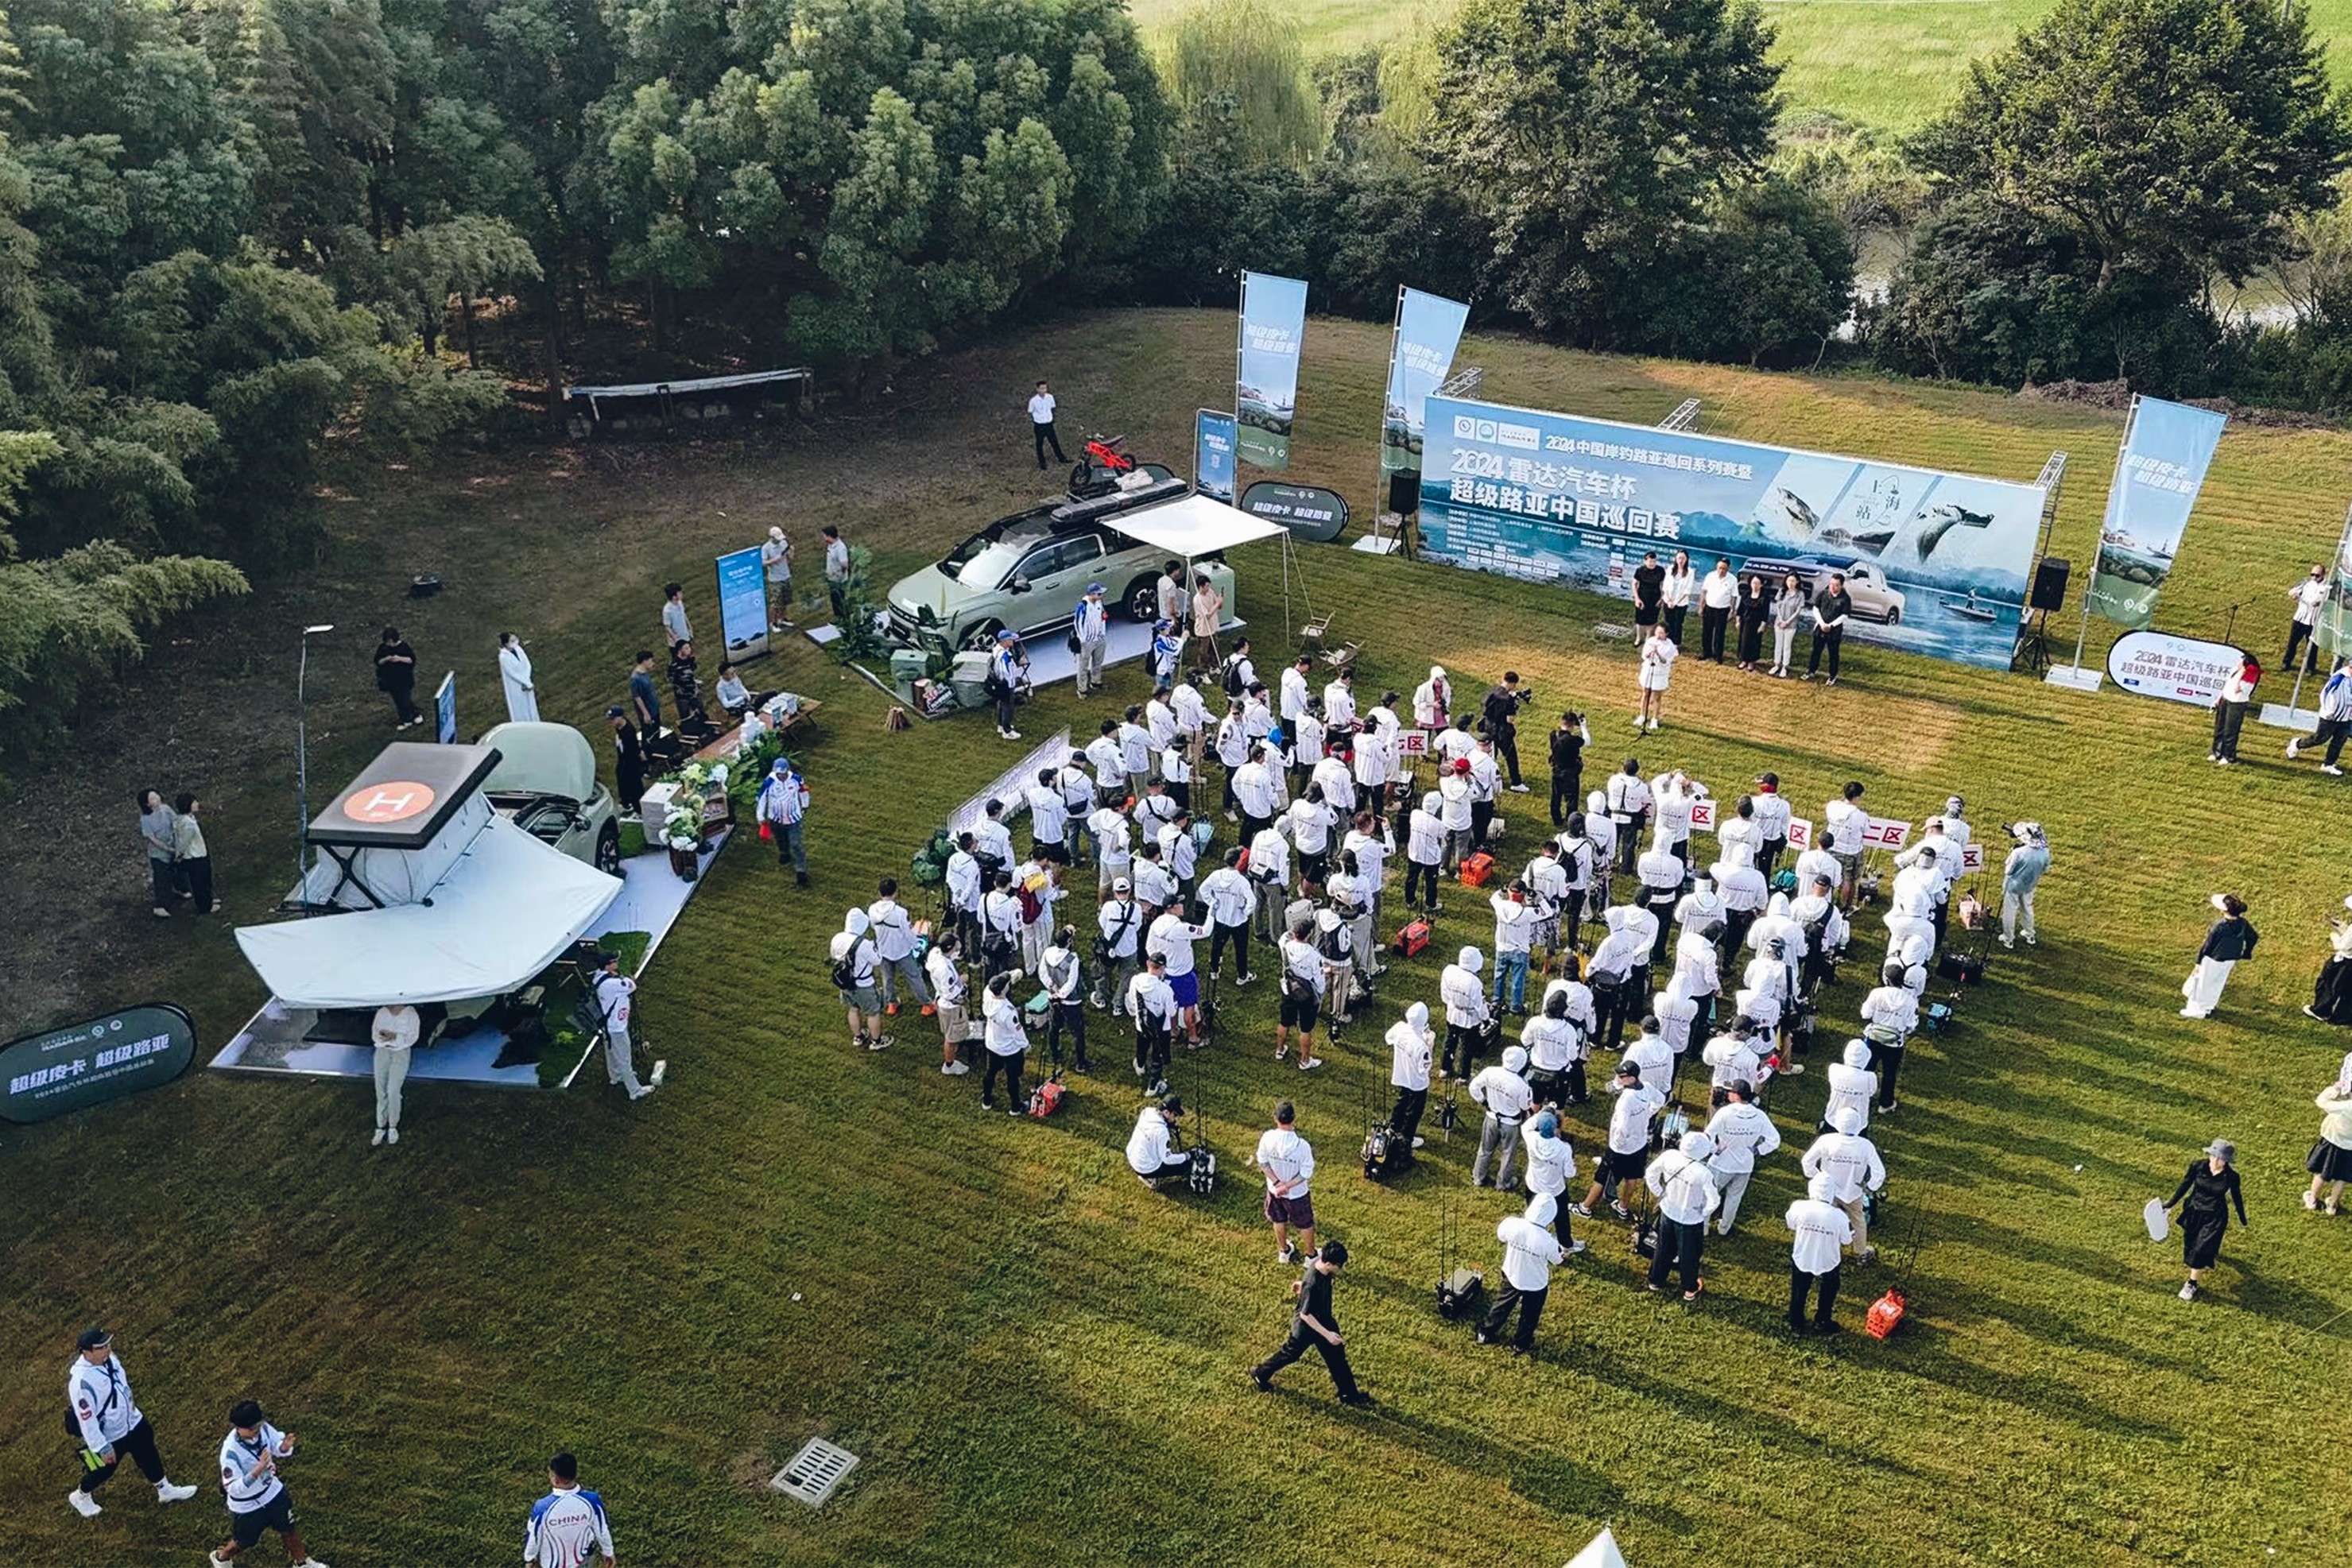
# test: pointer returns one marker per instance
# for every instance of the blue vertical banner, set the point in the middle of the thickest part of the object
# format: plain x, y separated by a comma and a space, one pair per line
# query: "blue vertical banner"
1266, 382
1213, 435
444, 710
1428, 331
2166, 449
1933, 562
742, 605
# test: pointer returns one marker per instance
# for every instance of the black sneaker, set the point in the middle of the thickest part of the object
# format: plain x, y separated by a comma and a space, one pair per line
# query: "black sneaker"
1359, 1400
1263, 1385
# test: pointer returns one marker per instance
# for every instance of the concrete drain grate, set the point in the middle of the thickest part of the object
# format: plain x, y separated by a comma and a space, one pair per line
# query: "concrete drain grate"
814, 1471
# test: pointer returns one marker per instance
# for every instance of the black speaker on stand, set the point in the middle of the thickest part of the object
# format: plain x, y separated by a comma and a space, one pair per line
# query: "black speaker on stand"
2031, 655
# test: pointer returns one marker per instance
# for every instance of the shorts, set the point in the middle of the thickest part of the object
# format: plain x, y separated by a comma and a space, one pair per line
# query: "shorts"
1615, 1167
1298, 1211
864, 998
1315, 867
1851, 862
1060, 854
1187, 987
1300, 1014
277, 1514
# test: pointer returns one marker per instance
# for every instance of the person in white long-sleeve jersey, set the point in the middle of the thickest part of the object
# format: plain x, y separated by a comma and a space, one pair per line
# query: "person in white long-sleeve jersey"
249, 1457
568, 1526
108, 1423
521, 683
1819, 1232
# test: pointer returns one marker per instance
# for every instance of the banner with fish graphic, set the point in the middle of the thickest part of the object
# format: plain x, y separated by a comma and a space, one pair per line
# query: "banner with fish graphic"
2167, 448
1936, 563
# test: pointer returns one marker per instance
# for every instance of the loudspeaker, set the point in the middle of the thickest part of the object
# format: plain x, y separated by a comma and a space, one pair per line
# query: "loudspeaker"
1404, 494
2049, 583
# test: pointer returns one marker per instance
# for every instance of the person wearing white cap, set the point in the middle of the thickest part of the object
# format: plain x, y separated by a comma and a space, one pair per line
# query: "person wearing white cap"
1851, 1162
1121, 926
1431, 700
1501, 1091
1889, 1013
776, 560
2021, 874
1679, 1180
1853, 1085
1465, 1011
856, 965
2230, 938
1629, 1143
1820, 1231
1089, 635
1006, 670
1410, 1044
1743, 1133
1530, 1250
109, 1425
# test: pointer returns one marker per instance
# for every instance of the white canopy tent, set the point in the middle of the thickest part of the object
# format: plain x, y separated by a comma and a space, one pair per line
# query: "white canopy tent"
504, 908
1198, 525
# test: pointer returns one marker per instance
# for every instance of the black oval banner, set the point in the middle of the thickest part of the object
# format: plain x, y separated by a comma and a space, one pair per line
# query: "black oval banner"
1311, 514
45, 1075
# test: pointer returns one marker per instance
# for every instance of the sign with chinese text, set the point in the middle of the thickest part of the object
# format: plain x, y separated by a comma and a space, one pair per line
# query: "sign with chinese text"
1311, 514
1266, 385
1935, 563
742, 609
1428, 331
1213, 456
46, 1075
2178, 669
2165, 452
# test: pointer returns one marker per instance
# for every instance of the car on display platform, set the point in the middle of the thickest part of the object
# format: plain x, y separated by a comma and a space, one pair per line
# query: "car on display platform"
545, 783
1874, 598
1026, 573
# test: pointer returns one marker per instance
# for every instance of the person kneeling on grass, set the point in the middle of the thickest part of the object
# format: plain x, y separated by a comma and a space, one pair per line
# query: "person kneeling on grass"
1151, 1153
256, 1498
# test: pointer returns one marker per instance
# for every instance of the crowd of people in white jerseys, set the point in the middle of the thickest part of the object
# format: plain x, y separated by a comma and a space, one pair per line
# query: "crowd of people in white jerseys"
1614, 937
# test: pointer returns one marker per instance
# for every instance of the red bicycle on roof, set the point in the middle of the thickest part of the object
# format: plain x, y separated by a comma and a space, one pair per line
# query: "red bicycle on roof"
1098, 469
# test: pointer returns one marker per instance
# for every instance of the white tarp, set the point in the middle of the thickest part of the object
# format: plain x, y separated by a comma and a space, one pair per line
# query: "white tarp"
501, 913
1195, 526
1601, 1553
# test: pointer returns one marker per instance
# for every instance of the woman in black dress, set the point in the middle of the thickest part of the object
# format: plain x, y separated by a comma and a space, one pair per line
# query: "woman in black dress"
395, 676
2331, 999
1753, 609
2212, 1188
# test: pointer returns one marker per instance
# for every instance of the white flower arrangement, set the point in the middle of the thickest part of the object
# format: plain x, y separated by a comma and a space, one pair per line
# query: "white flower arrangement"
682, 828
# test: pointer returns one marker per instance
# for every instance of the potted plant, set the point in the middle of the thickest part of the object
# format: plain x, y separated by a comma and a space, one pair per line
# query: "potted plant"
682, 835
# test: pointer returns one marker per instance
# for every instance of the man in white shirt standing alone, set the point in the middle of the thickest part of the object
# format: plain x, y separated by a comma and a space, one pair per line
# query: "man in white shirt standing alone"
568, 1525
394, 1035
1289, 1164
256, 1498
2309, 595
1041, 423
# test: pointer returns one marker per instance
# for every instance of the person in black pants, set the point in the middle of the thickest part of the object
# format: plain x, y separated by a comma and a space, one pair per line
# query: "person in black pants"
1315, 1328
1041, 423
1568, 744
395, 676
1718, 593
2229, 707
1832, 609
1501, 713
629, 759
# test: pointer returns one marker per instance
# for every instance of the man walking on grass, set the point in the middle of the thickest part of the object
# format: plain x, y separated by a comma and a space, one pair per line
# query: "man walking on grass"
110, 1424
568, 1525
1316, 1327
249, 1456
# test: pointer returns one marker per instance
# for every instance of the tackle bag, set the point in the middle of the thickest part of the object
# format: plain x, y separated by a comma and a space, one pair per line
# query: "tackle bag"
1410, 938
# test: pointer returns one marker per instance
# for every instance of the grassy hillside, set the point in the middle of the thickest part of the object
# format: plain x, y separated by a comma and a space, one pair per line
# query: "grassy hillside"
1040, 1363
1889, 63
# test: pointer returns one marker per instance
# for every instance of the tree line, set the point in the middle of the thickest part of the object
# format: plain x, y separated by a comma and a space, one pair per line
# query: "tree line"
243, 242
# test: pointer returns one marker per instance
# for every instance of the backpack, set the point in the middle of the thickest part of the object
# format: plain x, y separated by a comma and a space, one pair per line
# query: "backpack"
1233, 677
845, 972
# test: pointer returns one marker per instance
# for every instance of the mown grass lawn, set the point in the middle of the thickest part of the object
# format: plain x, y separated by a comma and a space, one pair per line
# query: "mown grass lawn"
1893, 64
1039, 1362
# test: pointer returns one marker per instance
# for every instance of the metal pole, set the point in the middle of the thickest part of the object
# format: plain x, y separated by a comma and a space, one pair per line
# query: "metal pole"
301, 767
2083, 635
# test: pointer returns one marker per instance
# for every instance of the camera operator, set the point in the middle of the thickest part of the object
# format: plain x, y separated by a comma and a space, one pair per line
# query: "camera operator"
1500, 719
1151, 1152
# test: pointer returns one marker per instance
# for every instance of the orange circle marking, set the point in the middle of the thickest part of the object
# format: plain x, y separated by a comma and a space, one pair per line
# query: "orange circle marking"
395, 801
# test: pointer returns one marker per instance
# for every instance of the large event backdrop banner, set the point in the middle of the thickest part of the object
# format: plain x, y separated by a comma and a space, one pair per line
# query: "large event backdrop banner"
1937, 562
1265, 377
1428, 331
2166, 449
2334, 631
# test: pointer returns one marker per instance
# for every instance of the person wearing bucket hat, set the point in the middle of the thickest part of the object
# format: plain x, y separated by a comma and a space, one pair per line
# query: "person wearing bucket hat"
1685, 1187
107, 1424
1502, 1092
1089, 636
2331, 995
2210, 1186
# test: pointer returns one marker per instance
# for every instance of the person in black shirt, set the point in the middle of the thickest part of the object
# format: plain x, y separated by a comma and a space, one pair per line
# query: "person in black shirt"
1568, 744
629, 759
1501, 711
2211, 1187
395, 676
1831, 612
1649, 589
685, 686
1753, 611
1315, 1328
644, 703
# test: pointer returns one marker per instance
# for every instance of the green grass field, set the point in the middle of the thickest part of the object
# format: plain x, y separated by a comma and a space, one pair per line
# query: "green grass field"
1040, 1363
1894, 64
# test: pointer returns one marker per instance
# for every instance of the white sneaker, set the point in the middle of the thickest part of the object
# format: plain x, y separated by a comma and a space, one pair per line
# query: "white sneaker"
392, 1134
643, 1089
1310, 1064
2291, 747
1418, 1141
167, 1492
312, 1563
83, 1504
2331, 770
2029, 939
217, 1561
1012, 734
377, 1138
2005, 942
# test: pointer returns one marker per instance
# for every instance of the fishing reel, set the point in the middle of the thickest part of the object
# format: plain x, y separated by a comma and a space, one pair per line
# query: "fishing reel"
1201, 1175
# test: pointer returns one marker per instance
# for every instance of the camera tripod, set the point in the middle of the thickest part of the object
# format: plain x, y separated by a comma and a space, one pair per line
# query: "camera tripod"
2031, 654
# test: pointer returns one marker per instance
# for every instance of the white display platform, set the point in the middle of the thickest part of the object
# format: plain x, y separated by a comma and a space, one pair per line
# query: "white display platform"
2078, 679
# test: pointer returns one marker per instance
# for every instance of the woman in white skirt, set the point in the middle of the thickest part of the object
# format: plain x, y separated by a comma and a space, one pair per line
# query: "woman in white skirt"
2330, 1164
1658, 655
2233, 937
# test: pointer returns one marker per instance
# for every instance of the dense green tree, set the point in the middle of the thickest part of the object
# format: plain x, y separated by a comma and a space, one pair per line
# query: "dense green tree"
1595, 135
1242, 62
2172, 138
